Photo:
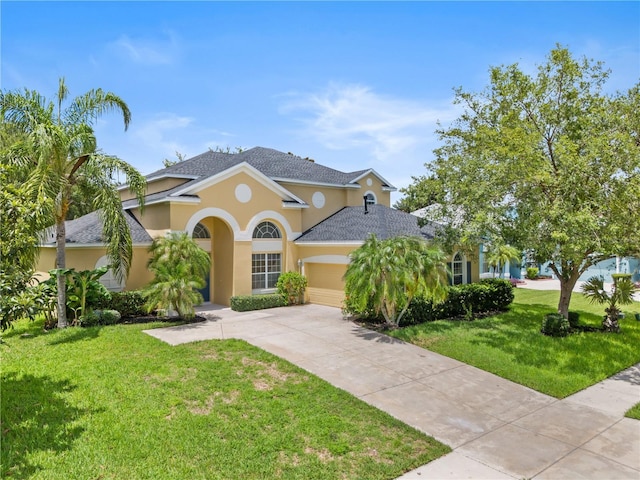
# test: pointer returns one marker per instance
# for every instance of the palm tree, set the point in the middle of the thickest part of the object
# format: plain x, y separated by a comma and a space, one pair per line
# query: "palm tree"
179, 266
59, 152
389, 273
621, 294
500, 254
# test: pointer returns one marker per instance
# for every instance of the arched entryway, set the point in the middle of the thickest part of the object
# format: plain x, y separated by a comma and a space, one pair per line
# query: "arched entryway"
216, 236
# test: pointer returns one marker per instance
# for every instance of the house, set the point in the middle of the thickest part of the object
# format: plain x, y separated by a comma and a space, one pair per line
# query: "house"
259, 213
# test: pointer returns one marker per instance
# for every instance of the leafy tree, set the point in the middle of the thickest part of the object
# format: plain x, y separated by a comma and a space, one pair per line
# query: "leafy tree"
180, 157
57, 150
21, 218
498, 256
621, 294
388, 274
179, 266
424, 191
548, 163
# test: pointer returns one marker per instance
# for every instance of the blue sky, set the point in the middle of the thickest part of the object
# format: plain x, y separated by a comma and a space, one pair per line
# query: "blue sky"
351, 84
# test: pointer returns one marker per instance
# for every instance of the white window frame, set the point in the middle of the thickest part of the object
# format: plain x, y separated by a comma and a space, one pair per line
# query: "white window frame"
266, 257
462, 262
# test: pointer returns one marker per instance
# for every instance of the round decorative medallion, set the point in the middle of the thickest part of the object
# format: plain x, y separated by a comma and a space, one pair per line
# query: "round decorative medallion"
369, 182
243, 193
318, 200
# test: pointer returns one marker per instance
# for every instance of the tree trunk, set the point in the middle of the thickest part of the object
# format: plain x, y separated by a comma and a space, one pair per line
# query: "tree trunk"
61, 277
568, 282
610, 323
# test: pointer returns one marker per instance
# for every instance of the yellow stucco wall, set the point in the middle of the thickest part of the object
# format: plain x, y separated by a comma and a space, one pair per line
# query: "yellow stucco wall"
46, 262
156, 217
85, 258
354, 196
222, 263
334, 199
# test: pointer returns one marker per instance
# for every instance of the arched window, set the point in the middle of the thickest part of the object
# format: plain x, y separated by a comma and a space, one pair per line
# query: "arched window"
266, 260
200, 231
457, 269
266, 230
370, 198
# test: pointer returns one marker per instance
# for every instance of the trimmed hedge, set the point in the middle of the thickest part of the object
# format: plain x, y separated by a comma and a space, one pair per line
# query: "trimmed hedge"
488, 295
245, 303
129, 303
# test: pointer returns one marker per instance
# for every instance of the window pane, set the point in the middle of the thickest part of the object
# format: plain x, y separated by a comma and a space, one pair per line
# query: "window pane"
273, 262
272, 279
258, 264
266, 230
257, 281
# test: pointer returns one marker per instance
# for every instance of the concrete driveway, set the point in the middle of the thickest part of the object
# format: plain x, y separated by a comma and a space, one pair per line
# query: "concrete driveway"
497, 429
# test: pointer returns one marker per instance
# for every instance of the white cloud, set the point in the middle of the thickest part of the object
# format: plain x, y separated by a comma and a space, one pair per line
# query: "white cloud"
147, 51
354, 116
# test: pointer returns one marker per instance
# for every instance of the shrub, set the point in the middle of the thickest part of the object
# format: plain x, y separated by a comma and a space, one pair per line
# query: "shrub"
574, 319
493, 294
291, 285
532, 273
110, 317
84, 291
90, 318
100, 317
129, 304
555, 325
500, 296
245, 303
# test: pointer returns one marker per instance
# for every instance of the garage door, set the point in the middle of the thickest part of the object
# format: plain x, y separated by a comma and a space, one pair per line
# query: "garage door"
325, 285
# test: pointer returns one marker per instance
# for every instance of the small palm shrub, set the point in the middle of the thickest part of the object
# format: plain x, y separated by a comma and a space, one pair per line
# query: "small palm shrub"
621, 294
180, 267
385, 275
532, 273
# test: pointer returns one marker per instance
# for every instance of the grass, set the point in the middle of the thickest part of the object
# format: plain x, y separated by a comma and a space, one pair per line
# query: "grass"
511, 345
634, 412
115, 403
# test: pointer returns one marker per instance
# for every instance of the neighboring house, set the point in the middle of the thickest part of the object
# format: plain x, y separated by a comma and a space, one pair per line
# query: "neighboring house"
605, 268
259, 213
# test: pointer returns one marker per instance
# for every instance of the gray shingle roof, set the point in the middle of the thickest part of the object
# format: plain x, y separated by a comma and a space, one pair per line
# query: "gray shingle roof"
352, 224
88, 229
272, 163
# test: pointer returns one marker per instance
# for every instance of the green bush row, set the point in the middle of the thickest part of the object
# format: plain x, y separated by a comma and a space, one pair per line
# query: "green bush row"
488, 295
100, 317
129, 303
245, 303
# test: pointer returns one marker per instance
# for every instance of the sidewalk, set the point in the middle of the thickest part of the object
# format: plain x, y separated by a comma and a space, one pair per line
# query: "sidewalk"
497, 429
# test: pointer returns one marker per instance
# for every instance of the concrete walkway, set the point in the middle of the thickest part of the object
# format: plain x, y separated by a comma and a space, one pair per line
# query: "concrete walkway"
496, 428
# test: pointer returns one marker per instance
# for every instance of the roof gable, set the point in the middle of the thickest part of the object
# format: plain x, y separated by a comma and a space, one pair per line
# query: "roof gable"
193, 188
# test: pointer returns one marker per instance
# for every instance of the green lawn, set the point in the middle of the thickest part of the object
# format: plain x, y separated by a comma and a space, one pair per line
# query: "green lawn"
114, 403
634, 412
511, 345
